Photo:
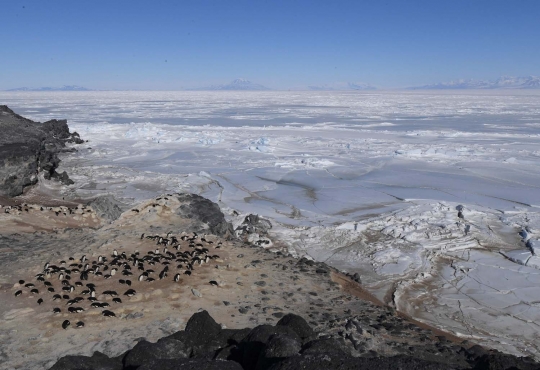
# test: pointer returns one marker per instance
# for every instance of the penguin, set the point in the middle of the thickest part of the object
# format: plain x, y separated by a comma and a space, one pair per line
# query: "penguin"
108, 313
40, 301
176, 278
56, 296
79, 324
34, 291
50, 289
83, 258
142, 236
213, 282
117, 300
105, 304
115, 253
65, 324
187, 272
57, 310
21, 282
130, 293
96, 305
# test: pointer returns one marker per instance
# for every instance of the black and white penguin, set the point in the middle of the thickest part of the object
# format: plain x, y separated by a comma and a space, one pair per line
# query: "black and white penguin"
117, 300
108, 313
79, 324
176, 278
65, 324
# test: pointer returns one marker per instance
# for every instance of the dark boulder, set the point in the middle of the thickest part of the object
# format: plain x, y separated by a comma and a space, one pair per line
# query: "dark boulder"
190, 364
255, 342
331, 362
204, 337
327, 345
205, 215
98, 361
165, 348
495, 360
106, 207
279, 347
297, 324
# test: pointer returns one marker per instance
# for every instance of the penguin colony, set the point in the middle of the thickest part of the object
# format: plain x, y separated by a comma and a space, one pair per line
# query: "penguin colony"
74, 285
58, 211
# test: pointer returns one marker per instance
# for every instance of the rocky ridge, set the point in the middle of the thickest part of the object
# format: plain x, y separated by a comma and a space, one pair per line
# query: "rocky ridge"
28, 148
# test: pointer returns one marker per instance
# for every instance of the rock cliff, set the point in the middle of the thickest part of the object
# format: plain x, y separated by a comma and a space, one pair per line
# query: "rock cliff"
28, 148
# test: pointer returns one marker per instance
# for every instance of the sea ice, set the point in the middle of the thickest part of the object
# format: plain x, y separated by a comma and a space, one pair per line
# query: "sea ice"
368, 182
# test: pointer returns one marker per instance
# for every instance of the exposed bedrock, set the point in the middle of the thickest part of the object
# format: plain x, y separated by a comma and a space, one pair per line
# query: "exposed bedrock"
205, 215
290, 344
27, 148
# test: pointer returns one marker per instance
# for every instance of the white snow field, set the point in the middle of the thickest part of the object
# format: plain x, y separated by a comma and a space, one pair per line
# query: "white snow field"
433, 197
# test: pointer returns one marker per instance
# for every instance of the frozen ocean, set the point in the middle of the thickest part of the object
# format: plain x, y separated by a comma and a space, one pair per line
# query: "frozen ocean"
432, 197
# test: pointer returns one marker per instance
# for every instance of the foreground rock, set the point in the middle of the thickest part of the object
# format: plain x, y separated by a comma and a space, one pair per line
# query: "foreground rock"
290, 344
28, 148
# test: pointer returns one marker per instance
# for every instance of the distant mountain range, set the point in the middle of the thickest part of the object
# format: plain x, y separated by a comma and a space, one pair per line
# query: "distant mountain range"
63, 88
239, 84
343, 86
504, 82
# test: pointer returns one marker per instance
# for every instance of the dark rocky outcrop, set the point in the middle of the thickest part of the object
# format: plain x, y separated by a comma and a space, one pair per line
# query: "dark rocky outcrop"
289, 345
253, 224
27, 148
205, 215
106, 207
98, 361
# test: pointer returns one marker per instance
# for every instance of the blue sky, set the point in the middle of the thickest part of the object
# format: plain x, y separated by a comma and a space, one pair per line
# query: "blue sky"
282, 44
